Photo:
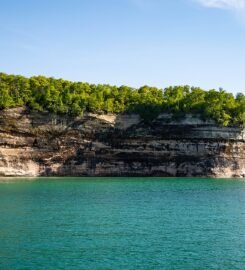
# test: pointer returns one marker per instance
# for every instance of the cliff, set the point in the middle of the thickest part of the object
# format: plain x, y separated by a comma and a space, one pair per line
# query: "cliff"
42, 144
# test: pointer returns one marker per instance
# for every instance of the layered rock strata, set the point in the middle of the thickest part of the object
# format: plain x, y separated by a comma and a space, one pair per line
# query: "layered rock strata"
42, 144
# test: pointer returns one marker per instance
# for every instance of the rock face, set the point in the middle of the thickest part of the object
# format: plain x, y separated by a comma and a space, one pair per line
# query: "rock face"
41, 144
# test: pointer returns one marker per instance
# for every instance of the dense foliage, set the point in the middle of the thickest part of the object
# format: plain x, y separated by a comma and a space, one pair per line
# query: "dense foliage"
64, 97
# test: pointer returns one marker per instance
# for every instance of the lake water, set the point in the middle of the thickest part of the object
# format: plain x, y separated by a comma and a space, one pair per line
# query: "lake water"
122, 223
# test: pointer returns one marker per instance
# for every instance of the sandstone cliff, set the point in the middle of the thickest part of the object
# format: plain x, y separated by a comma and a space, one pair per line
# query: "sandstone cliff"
42, 144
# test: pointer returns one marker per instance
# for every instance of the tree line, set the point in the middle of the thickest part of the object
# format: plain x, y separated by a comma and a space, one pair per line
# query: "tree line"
60, 96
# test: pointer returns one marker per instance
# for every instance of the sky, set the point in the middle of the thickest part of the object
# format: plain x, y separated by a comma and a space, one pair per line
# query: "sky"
126, 42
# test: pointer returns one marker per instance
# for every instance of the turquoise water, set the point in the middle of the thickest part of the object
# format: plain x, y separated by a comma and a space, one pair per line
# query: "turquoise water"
122, 223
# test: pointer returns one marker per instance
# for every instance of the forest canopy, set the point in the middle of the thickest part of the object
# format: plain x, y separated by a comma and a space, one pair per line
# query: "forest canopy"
60, 96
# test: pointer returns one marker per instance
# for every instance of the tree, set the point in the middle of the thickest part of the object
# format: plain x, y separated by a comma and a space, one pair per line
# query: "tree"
5, 98
59, 96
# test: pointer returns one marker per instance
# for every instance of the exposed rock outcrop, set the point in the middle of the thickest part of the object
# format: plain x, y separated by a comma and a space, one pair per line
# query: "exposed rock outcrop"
42, 144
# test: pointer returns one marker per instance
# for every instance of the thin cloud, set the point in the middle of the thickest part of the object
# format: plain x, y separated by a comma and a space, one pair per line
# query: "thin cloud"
237, 5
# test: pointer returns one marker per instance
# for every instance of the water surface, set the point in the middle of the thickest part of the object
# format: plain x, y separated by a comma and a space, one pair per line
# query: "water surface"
122, 223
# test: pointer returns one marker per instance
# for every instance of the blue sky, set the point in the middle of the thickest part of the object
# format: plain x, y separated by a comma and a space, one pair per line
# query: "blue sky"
130, 42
